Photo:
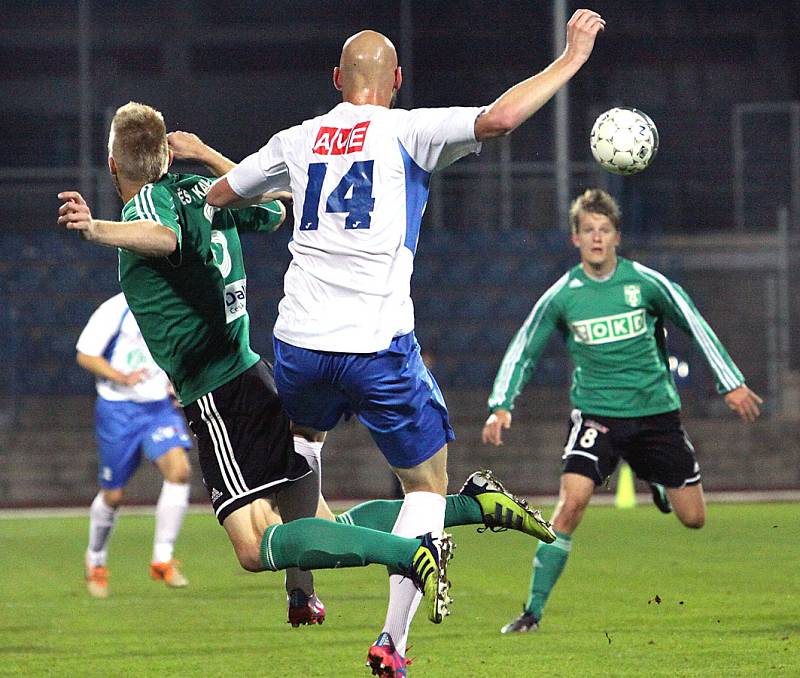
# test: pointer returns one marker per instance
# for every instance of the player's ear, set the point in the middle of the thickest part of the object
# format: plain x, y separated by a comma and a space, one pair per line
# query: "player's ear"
112, 165
574, 238
170, 158
337, 78
398, 78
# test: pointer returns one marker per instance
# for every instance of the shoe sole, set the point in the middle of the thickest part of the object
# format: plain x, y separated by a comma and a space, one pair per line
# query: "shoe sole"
314, 621
375, 663
541, 529
507, 629
439, 597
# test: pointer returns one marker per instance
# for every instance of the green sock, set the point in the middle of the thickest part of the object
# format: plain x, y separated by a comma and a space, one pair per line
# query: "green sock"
548, 563
317, 544
381, 514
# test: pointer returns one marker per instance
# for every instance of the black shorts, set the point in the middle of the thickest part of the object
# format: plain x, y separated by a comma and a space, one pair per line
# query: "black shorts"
656, 448
243, 437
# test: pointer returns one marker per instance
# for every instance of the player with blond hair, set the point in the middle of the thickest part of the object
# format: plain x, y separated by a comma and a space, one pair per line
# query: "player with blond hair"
182, 273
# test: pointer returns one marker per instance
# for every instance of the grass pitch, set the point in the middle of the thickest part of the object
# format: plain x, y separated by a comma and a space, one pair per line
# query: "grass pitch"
729, 604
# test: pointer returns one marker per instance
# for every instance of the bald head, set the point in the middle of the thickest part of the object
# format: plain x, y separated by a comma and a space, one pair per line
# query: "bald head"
367, 71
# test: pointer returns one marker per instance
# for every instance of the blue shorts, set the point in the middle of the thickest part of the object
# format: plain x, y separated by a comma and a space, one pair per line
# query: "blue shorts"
391, 392
125, 428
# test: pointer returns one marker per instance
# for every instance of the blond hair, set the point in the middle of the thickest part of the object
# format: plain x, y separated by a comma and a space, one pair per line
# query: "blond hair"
596, 201
138, 142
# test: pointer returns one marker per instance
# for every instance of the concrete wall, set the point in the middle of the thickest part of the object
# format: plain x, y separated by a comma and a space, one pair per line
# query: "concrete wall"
47, 458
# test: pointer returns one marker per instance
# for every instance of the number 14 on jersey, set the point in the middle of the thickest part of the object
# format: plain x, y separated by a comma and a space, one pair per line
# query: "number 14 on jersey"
352, 196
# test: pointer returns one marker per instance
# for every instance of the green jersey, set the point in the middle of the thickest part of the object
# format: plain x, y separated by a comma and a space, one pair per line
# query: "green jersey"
192, 306
615, 337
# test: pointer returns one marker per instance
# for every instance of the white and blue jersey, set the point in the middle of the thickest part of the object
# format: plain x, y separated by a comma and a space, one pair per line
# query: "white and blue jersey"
344, 338
359, 179
112, 333
129, 420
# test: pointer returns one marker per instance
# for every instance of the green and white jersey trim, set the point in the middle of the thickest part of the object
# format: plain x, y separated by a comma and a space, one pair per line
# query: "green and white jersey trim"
702, 333
144, 206
510, 363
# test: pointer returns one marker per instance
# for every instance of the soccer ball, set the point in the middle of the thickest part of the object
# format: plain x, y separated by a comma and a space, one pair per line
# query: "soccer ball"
624, 140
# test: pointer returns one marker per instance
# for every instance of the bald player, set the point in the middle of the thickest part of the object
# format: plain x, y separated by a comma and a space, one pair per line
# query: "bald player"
344, 338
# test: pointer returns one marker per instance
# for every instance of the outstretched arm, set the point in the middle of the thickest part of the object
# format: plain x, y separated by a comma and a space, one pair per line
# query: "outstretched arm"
143, 237
520, 102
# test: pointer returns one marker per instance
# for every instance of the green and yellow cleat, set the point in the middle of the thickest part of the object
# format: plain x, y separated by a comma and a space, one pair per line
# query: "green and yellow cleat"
428, 571
502, 510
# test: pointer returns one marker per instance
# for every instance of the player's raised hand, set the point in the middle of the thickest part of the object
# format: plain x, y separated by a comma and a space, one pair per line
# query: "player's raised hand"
74, 213
186, 145
582, 29
744, 402
493, 428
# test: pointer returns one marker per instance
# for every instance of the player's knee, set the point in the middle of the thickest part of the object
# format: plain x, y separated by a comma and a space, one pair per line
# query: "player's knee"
249, 557
179, 469
569, 514
693, 521
113, 498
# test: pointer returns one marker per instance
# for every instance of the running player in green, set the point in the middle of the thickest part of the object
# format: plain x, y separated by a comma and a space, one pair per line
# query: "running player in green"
611, 312
182, 273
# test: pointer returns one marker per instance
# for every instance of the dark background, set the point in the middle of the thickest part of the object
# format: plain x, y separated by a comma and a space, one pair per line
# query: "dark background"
236, 72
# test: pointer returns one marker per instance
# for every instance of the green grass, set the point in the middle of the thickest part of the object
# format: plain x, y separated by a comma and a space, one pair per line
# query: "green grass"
730, 604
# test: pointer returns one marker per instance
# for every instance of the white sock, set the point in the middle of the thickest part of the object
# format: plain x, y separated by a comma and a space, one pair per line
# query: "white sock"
101, 522
421, 512
170, 510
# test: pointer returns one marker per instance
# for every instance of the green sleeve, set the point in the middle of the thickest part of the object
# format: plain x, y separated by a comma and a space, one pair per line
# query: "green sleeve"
265, 217
671, 301
155, 203
525, 349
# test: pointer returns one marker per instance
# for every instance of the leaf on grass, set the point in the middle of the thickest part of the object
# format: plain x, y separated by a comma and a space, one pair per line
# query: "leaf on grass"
607, 636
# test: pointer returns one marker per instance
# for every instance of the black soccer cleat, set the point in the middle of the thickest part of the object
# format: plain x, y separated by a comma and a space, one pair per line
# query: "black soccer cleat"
660, 498
523, 624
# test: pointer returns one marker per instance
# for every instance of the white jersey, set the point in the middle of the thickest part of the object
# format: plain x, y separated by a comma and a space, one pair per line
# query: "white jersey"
359, 178
112, 333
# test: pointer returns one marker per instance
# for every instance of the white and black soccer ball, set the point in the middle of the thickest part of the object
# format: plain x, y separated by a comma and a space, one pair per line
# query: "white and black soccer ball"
624, 140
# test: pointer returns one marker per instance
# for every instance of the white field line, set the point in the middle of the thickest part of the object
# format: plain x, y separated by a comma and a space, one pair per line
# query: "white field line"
602, 499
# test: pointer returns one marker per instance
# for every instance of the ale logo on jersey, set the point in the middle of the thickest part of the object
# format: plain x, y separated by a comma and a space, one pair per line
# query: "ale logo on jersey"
633, 295
341, 140
609, 328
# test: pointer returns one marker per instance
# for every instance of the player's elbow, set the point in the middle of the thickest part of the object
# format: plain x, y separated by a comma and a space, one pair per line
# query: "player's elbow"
221, 194
497, 121
167, 243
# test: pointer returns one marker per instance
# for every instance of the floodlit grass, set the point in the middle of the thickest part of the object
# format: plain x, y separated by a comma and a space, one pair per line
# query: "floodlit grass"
729, 604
